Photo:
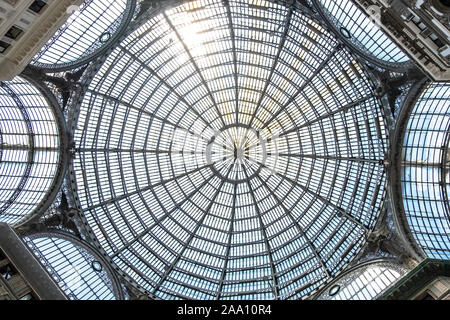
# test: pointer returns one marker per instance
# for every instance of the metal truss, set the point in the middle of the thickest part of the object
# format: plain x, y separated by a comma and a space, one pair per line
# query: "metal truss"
91, 30
45, 140
182, 227
91, 276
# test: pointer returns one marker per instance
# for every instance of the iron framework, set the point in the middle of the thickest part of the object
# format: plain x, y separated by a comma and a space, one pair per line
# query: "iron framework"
360, 33
76, 266
33, 135
425, 169
229, 150
88, 33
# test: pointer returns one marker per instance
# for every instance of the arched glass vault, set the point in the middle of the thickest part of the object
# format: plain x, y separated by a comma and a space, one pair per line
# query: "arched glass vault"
90, 30
31, 137
230, 150
77, 268
225, 149
361, 33
425, 185
366, 281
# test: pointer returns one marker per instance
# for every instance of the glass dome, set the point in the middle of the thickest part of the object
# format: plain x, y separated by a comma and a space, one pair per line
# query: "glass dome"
230, 150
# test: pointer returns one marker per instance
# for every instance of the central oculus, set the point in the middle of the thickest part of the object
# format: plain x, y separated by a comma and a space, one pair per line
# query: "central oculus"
237, 153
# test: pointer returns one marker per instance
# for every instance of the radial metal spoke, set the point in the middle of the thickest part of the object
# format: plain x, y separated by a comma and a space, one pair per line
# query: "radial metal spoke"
191, 237
297, 225
328, 115
197, 69
307, 82
266, 240
230, 237
149, 187
163, 217
150, 114
328, 157
287, 23
318, 196
158, 152
162, 80
235, 68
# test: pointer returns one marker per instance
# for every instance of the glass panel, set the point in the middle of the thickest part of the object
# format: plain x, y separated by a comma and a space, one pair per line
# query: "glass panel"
356, 26
90, 26
29, 149
73, 267
232, 150
425, 171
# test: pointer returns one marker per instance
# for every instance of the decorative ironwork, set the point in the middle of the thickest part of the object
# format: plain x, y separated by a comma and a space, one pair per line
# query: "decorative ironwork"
87, 34
178, 88
78, 269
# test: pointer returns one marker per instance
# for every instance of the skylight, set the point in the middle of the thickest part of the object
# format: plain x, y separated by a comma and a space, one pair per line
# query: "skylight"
354, 25
29, 149
425, 171
230, 150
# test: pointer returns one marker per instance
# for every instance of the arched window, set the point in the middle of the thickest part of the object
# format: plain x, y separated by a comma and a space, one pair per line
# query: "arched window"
78, 271
89, 29
29, 149
425, 180
365, 282
360, 30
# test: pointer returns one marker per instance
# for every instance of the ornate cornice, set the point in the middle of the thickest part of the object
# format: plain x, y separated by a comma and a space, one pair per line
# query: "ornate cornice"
410, 285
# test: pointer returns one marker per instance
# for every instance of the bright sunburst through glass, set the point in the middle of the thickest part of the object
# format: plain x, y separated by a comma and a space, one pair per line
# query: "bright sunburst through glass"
230, 150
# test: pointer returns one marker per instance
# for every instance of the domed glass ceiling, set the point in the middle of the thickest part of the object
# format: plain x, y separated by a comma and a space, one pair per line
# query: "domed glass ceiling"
230, 150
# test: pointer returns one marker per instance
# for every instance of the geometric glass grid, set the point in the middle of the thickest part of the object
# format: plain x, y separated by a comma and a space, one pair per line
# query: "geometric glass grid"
75, 269
365, 283
356, 26
89, 28
230, 150
425, 171
29, 149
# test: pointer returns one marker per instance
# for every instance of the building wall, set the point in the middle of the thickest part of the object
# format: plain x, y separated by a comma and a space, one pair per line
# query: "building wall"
25, 26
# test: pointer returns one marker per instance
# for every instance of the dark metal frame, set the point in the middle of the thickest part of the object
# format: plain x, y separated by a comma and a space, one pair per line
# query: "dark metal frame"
91, 250
355, 45
348, 275
401, 217
58, 177
115, 199
98, 49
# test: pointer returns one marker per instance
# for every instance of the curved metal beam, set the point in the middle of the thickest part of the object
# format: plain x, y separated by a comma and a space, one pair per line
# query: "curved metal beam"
395, 169
30, 148
124, 23
399, 67
58, 179
118, 292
